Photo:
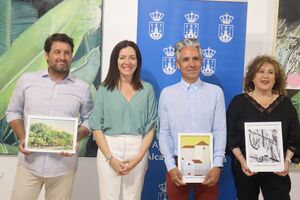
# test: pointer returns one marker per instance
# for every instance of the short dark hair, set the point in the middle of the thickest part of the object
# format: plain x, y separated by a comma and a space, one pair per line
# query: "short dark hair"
113, 75
256, 64
61, 37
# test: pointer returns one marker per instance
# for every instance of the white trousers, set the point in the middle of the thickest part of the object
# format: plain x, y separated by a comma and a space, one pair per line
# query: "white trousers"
127, 187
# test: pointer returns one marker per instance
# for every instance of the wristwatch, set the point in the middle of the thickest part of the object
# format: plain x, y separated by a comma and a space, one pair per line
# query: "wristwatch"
108, 159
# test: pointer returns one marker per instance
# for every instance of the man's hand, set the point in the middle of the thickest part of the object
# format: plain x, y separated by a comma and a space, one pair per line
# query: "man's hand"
77, 147
22, 148
212, 177
66, 154
176, 176
18, 127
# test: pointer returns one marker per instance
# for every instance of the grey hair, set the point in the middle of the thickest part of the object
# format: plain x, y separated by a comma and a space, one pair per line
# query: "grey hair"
187, 42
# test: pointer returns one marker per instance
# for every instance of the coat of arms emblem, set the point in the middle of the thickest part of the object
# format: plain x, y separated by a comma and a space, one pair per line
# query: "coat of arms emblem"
162, 195
168, 61
156, 26
225, 30
191, 28
209, 63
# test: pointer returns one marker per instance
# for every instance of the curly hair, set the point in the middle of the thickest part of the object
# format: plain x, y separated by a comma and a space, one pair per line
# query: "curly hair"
254, 66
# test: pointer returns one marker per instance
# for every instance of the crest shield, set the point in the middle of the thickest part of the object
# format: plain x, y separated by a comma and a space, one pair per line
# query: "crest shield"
191, 30
168, 65
156, 30
225, 32
208, 66
162, 195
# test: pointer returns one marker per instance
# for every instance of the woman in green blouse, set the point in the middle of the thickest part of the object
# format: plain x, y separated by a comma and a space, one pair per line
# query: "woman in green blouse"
123, 121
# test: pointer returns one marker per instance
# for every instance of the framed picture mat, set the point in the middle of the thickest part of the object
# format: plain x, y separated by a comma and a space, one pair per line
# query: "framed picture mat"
195, 156
51, 134
264, 147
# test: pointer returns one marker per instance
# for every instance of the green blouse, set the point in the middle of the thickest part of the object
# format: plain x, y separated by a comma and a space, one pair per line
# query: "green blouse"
114, 115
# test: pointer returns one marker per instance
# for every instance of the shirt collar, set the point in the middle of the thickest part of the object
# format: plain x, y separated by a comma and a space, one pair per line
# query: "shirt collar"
70, 76
194, 86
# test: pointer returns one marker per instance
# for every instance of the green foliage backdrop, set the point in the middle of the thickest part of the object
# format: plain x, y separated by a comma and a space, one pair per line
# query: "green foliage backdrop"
24, 26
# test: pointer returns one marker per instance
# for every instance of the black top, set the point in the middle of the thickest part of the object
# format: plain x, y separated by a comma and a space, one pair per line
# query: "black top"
243, 108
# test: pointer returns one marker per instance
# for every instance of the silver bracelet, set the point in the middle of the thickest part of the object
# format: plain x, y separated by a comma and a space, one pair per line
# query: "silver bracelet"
108, 159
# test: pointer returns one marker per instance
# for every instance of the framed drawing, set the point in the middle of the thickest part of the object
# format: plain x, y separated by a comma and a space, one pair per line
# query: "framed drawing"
51, 134
264, 148
195, 156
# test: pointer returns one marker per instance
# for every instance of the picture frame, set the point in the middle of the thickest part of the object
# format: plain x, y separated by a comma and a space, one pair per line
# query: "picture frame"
51, 134
264, 146
195, 156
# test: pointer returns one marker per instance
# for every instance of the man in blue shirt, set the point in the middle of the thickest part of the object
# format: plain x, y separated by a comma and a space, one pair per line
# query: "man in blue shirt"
53, 92
191, 106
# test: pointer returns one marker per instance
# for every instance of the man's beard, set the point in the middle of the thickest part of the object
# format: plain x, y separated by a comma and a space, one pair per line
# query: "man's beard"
60, 70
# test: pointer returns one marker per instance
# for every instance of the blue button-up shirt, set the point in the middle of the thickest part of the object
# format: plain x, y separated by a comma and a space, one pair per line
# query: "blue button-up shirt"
188, 108
37, 94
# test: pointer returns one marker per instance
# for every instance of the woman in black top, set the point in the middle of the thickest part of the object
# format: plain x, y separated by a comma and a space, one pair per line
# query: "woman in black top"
264, 100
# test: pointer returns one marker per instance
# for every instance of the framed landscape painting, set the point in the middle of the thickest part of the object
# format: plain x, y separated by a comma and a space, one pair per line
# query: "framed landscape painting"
264, 148
51, 134
195, 157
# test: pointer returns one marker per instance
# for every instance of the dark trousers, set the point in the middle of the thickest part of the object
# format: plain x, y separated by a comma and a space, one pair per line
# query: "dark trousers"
201, 192
273, 187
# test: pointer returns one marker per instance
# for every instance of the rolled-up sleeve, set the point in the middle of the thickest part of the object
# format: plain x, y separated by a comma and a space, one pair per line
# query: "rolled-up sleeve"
152, 114
164, 136
96, 119
15, 109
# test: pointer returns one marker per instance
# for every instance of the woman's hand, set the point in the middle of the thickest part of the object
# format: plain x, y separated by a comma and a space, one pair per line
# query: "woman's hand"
286, 169
129, 164
246, 169
240, 157
287, 163
118, 166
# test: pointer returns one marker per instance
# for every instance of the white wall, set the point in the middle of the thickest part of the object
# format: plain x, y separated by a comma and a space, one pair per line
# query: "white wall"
261, 27
119, 23
120, 18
